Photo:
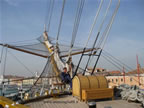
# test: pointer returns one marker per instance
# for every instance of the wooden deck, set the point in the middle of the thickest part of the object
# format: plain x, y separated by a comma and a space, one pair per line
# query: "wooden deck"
71, 102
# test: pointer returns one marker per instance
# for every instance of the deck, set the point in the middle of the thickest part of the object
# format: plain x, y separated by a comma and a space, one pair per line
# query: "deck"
71, 102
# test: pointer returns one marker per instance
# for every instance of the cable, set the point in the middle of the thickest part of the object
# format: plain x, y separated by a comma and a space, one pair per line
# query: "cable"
75, 28
21, 63
118, 63
76, 23
108, 28
1, 54
117, 60
48, 61
50, 16
20, 42
105, 34
4, 70
114, 61
100, 27
104, 18
95, 20
61, 17
111, 62
48, 5
120, 68
121, 64
90, 33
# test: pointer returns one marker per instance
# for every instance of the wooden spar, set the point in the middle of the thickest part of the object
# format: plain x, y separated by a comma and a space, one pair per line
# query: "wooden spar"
80, 52
22, 50
40, 55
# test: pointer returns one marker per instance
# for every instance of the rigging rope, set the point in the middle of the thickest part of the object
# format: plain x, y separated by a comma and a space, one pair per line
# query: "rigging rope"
22, 42
110, 60
77, 20
76, 23
22, 63
47, 15
112, 57
116, 62
104, 18
116, 65
48, 62
108, 28
4, 70
100, 27
120, 65
105, 34
61, 17
50, 13
90, 33
95, 20
1, 54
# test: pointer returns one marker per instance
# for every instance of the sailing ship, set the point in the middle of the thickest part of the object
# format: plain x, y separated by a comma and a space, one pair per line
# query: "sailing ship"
60, 56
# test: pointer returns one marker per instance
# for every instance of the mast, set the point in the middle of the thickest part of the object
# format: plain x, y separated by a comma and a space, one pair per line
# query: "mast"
57, 63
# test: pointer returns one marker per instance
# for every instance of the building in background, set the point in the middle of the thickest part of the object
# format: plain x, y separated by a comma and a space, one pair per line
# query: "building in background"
116, 78
130, 78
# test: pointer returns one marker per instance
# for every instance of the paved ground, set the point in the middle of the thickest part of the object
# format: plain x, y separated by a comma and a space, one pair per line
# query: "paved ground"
71, 102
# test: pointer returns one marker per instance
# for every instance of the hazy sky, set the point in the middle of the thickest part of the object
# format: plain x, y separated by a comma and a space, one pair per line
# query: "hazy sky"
24, 20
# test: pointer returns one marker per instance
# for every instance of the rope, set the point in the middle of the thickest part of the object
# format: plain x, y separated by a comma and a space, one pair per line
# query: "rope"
95, 19
110, 2
120, 66
97, 35
76, 23
1, 54
21, 42
108, 28
105, 34
4, 70
61, 17
114, 61
104, 56
77, 20
50, 13
48, 61
112, 57
116, 65
21, 63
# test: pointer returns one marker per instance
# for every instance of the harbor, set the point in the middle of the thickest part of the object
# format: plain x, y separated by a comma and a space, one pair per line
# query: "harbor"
71, 53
